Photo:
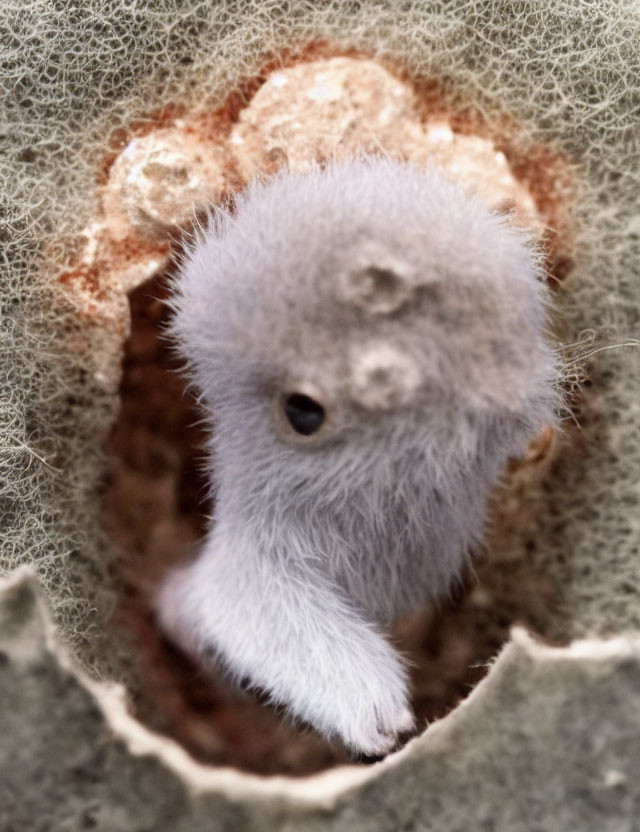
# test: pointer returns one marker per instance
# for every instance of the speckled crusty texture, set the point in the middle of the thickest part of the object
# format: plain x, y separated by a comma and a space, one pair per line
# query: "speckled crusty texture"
515, 757
566, 72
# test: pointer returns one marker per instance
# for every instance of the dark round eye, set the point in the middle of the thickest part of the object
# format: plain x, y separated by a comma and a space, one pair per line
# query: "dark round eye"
305, 415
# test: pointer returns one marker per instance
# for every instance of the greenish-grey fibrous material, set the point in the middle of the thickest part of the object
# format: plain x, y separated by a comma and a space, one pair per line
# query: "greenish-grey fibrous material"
567, 72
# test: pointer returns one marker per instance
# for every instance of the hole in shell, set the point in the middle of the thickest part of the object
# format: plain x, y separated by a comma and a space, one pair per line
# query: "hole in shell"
157, 503
156, 508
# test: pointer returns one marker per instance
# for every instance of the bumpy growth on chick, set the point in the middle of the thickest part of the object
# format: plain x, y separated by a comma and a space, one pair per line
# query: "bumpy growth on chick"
369, 344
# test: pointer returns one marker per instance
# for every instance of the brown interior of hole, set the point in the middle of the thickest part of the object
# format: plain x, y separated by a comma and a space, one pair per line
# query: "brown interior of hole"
156, 508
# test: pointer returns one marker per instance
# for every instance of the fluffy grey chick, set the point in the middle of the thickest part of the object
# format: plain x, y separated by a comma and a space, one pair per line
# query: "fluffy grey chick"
369, 346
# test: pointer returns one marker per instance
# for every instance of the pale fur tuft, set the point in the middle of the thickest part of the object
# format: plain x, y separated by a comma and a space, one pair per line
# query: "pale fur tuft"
417, 319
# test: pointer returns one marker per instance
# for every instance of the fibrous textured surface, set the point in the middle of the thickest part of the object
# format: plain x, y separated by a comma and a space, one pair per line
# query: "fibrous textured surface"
72, 759
77, 76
